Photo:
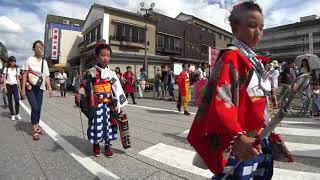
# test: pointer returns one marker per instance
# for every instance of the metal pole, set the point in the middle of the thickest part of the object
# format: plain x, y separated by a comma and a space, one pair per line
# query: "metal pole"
145, 64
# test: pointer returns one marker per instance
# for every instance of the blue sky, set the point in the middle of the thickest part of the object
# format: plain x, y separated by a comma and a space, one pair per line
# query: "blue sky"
22, 21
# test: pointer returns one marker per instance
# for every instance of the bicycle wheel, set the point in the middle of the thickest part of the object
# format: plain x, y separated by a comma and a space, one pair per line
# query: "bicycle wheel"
297, 104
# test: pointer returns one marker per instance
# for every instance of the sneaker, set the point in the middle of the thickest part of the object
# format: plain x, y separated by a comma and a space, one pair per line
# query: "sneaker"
18, 117
13, 118
96, 150
108, 153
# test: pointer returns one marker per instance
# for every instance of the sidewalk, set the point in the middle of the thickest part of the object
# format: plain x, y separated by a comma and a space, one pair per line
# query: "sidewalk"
23, 158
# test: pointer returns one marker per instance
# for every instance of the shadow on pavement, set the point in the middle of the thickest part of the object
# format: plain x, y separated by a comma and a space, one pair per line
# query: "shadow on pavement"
84, 146
23, 126
5, 114
176, 138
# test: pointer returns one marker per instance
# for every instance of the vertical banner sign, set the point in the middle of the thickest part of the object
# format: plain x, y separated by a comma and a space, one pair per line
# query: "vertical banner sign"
55, 43
213, 55
311, 43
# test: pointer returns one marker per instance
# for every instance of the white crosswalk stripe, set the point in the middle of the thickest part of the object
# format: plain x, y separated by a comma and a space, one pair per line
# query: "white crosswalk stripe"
182, 158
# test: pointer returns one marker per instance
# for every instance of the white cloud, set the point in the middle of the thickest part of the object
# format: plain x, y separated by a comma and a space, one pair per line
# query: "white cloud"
19, 43
67, 9
8, 26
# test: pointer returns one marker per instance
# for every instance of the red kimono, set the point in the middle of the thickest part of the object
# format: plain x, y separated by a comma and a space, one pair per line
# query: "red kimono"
233, 103
183, 83
128, 85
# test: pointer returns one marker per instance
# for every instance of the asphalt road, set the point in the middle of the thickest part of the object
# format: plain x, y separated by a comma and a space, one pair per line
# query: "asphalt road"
159, 148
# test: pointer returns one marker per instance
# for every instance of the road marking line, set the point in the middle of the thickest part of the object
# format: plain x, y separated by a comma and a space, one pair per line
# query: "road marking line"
298, 131
169, 110
297, 149
282, 131
176, 157
159, 109
301, 122
95, 168
182, 159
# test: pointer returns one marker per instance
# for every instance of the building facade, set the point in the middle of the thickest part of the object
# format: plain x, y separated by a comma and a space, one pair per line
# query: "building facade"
222, 37
288, 41
181, 41
62, 36
126, 32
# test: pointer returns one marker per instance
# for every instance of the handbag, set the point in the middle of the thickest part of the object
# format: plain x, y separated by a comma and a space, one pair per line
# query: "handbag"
34, 78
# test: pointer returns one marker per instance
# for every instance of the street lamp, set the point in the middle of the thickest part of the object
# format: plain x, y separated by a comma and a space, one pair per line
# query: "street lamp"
147, 14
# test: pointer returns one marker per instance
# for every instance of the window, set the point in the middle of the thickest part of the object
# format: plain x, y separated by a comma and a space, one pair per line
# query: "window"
65, 21
88, 38
93, 35
142, 36
220, 36
171, 43
177, 44
225, 38
160, 43
119, 29
129, 33
166, 42
99, 32
204, 49
134, 34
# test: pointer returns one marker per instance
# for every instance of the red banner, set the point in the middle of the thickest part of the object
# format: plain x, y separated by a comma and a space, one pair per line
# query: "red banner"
213, 55
55, 43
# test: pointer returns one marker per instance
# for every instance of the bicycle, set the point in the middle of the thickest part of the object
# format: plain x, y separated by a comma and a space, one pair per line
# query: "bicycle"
297, 99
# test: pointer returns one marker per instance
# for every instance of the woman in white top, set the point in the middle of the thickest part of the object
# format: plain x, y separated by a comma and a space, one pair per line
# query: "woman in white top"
12, 86
305, 68
34, 91
274, 81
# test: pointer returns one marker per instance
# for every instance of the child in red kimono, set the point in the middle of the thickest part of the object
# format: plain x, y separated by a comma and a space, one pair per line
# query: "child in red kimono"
234, 109
184, 89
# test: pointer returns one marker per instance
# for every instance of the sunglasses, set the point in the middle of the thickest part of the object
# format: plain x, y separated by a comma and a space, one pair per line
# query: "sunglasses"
12, 61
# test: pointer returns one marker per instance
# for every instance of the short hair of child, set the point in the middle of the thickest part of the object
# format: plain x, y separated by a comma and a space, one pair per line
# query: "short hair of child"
100, 47
240, 10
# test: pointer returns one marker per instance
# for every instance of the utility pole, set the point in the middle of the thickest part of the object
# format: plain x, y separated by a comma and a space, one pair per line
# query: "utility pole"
147, 14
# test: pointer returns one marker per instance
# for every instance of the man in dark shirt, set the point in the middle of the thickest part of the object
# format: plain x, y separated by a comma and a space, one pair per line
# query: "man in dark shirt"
164, 81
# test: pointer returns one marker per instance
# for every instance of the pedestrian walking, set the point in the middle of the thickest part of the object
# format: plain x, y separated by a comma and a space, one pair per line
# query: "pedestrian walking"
184, 89
305, 68
171, 82
315, 100
12, 87
129, 79
274, 75
142, 82
164, 82
35, 79
62, 76
157, 81
103, 87
4, 96
233, 111
119, 75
